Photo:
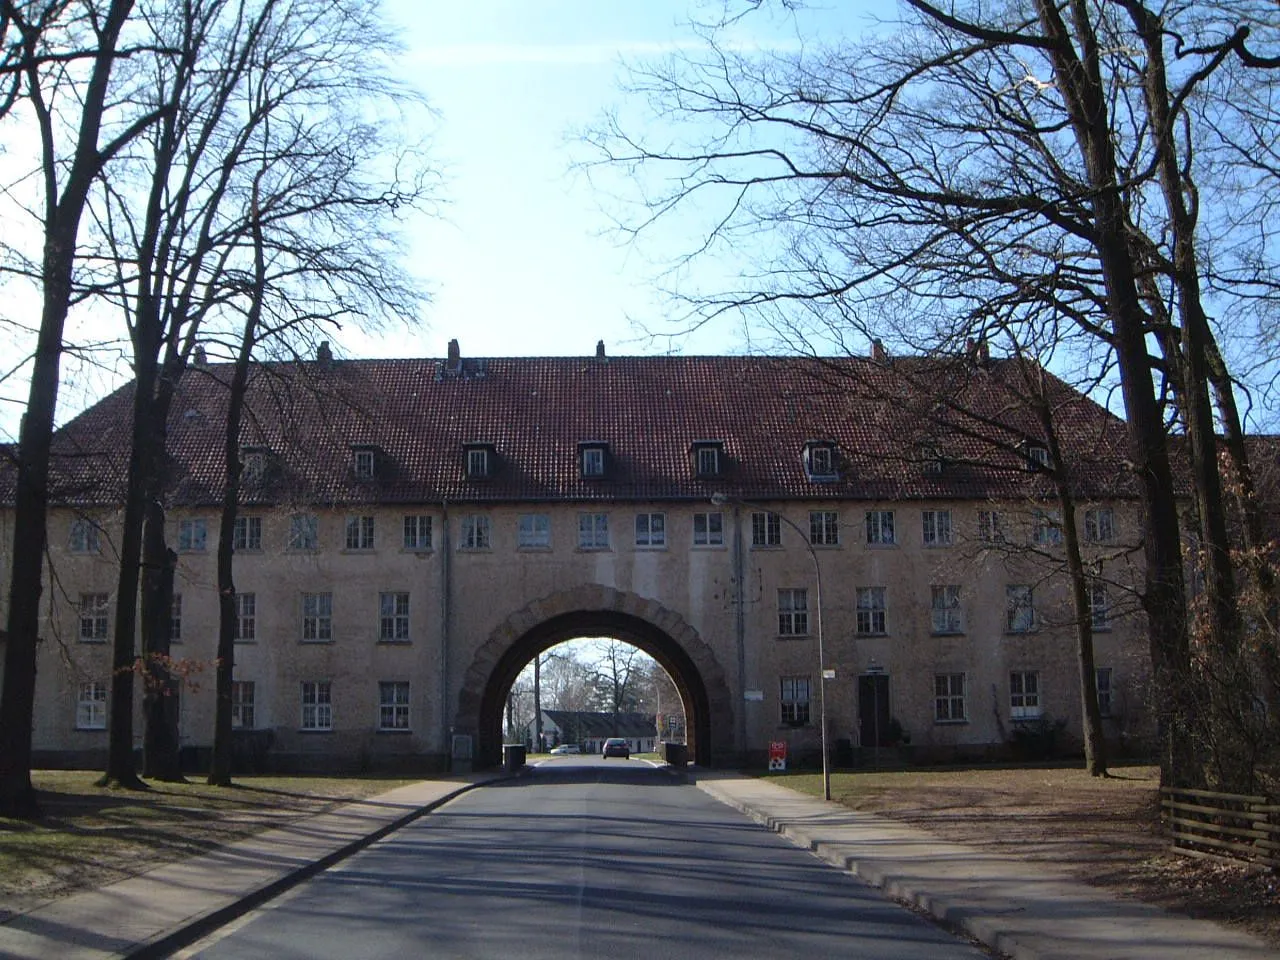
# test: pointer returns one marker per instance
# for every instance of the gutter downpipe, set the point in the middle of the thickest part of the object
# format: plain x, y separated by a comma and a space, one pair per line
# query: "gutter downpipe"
446, 588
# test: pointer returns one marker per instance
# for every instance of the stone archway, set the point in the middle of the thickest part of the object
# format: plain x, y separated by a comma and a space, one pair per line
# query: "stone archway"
593, 610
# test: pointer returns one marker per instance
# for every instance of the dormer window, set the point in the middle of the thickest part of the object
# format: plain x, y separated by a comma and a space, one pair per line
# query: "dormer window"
480, 460
364, 463
591, 459
820, 460
930, 459
255, 461
708, 458
1037, 456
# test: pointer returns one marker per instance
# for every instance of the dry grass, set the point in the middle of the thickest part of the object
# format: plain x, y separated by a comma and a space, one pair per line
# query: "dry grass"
1103, 831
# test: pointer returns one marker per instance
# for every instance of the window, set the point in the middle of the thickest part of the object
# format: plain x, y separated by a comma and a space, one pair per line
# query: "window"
794, 697
255, 465
708, 529
591, 459
363, 464
948, 698
175, 619
1100, 525
359, 533
246, 533
1024, 694
793, 612
93, 617
871, 613
317, 617
766, 530
304, 532
1038, 457
393, 619
707, 460
945, 607
393, 705
480, 462
880, 527
417, 532
937, 527
990, 526
242, 717
84, 536
192, 535
1099, 607
246, 627
533, 531
824, 528
91, 706
1102, 679
651, 529
1046, 529
475, 532
1020, 611
820, 461
593, 531
317, 705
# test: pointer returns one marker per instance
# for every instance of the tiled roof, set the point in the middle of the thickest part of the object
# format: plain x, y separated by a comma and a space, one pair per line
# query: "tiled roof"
888, 421
584, 724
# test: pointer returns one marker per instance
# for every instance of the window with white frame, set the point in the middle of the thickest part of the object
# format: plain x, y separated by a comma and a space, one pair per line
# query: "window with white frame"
1038, 457
707, 460
1020, 611
246, 533
880, 527
242, 712
870, 611
1099, 606
94, 617
84, 537
766, 530
1046, 529
1102, 680
793, 695
359, 533
990, 526
824, 528
793, 612
317, 705
317, 617
591, 460
936, 526
363, 464
593, 531
475, 532
255, 465
1024, 694
533, 531
91, 706
820, 461
175, 618
948, 698
651, 529
393, 705
479, 463
193, 535
945, 608
708, 529
246, 625
304, 532
393, 619
1100, 525
417, 532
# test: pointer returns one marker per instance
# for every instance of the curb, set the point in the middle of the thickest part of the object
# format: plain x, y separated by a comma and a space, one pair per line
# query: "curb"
163, 944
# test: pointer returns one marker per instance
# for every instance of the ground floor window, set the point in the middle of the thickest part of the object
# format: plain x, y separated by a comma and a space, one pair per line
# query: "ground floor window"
393, 705
948, 698
317, 705
242, 714
1024, 694
1103, 678
795, 700
91, 706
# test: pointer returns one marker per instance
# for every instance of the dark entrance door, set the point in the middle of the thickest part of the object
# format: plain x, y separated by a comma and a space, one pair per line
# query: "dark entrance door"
873, 709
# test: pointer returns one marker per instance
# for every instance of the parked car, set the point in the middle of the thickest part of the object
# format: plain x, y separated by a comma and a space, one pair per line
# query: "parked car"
565, 748
616, 747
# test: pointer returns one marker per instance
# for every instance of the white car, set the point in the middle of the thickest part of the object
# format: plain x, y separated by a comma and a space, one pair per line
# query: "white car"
565, 748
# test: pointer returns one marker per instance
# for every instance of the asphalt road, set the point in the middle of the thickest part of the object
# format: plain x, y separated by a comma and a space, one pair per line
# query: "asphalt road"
584, 858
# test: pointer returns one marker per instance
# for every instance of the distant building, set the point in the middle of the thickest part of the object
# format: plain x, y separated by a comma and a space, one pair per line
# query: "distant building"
589, 729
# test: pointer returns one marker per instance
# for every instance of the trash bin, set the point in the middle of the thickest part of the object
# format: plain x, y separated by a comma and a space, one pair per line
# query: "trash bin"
676, 754
513, 755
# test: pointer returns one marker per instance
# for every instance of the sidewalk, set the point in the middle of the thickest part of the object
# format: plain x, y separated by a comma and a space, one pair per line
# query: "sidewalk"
140, 917
1019, 908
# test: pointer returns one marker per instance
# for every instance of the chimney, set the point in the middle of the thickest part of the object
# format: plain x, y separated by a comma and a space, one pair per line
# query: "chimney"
599, 349
455, 355
201, 358
323, 353
878, 353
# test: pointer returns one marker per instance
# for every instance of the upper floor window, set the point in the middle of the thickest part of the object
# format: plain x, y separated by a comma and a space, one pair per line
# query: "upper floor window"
393, 617
945, 608
766, 530
651, 529
246, 622
1024, 694
1099, 606
591, 459
820, 460
1046, 529
871, 611
936, 526
793, 612
304, 532
84, 536
1020, 611
246, 533
707, 455
93, 616
593, 531
417, 532
880, 527
708, 529
990, 526
824, 528
1100, 525
364, 463
193, 535
359, 533
317, 617
533, 531
475, 532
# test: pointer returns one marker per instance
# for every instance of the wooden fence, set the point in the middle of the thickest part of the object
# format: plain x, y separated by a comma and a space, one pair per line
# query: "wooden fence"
1224, 825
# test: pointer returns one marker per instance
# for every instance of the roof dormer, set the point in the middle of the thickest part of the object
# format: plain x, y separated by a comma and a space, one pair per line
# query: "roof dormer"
593, 459
480, 460
255, 461
364, 461
820, 461
708, 458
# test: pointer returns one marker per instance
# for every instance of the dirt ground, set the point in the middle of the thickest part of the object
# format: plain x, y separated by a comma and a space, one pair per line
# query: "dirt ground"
1104, 832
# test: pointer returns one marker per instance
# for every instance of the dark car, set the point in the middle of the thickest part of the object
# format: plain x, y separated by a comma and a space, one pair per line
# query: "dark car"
616, 747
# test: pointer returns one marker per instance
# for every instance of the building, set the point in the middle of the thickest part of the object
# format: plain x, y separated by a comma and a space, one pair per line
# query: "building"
413, 531
589, 729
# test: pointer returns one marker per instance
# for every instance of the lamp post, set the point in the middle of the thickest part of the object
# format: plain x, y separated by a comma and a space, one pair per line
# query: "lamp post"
719, 500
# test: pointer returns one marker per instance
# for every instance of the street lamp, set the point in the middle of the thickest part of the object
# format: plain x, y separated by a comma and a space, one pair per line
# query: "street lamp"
719, 500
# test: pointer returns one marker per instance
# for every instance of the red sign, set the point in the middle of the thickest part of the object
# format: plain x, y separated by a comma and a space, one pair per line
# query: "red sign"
778, 755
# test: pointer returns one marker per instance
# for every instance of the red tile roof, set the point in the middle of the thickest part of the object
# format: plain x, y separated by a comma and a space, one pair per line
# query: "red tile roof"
535, 411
